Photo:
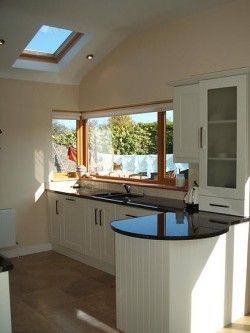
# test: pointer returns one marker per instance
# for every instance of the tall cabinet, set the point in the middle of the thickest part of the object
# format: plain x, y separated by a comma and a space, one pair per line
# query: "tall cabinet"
222, 140
224, 185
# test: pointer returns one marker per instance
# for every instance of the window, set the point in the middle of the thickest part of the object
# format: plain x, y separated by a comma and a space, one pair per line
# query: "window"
123, 146
50, 44
64, 146
136, 147
133, 146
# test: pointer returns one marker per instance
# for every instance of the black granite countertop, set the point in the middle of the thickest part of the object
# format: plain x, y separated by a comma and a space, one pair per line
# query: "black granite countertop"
148, 202
174, 223
5, 264
178, 225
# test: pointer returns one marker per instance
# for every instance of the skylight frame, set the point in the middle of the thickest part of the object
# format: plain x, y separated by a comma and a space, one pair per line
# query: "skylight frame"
56, 57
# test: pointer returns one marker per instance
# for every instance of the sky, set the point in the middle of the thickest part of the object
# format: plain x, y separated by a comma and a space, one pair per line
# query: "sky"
48, 39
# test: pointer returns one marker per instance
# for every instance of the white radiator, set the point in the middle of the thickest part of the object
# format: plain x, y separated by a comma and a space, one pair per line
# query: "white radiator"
7, 227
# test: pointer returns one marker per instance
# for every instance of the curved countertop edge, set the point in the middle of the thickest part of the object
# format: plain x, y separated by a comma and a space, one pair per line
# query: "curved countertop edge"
168, 238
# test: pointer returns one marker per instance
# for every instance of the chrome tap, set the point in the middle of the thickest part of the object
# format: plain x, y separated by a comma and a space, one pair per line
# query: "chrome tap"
127, 188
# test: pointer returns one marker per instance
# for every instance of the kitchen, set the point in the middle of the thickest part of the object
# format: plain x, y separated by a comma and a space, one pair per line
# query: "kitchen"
209, 41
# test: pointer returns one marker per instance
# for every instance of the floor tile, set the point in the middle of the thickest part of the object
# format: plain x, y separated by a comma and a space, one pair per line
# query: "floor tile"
54, 293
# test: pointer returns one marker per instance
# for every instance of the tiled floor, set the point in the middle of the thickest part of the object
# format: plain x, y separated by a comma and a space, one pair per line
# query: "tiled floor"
51, 293
240, 326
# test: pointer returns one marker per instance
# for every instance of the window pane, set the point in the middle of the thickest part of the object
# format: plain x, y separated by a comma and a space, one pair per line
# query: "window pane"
123, 146
64, 145
172, 168
48, 39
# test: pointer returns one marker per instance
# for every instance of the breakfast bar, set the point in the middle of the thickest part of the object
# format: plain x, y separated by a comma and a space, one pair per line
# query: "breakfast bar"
181, 272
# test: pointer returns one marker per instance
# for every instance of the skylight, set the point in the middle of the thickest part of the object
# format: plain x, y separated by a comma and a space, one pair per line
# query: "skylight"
50, 44
48, 40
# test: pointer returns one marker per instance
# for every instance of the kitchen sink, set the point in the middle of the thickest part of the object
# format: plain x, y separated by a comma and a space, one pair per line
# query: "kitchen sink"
108, 194
118, 196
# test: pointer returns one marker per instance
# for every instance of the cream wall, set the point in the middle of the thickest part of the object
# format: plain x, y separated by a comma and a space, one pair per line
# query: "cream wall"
25, 155
138, 69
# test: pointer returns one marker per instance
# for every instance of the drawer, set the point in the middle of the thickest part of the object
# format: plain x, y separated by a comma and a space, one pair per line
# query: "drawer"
222, 205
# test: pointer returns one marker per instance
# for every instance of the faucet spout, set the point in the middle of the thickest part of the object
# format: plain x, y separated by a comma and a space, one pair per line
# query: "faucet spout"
127, 188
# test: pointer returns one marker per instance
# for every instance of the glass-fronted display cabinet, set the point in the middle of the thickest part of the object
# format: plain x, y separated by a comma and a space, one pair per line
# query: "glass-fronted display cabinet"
222, 137
223, 153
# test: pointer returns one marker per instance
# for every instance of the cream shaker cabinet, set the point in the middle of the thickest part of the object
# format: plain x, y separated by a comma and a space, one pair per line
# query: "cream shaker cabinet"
56, 213
66, 223
223, 156
99, 235
186, 123
211, 127
73, 228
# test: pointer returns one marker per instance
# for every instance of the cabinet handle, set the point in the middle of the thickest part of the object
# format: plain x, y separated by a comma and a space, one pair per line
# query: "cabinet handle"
101, 217
96, 211
70, 199
57, 211
216, 205
133, 216
201, 137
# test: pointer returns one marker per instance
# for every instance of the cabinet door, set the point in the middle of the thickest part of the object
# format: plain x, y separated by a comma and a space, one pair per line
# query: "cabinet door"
92, 236
107, 214
73, 224
55, 205
223, 153
186, 123
100, 240
127, 212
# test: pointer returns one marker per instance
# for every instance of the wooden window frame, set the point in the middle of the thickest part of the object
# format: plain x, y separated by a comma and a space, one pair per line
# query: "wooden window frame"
57, 56
162, 179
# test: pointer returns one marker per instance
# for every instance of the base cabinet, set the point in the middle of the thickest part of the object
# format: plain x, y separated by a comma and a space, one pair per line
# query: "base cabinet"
99, 235
73, 229
56, 215
81, 228
186, 286
5, 306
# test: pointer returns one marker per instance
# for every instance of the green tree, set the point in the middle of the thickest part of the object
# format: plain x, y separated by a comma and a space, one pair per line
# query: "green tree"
58, 128
62, 135
169, 137
150, 136
130, 139
120, 120
125, 137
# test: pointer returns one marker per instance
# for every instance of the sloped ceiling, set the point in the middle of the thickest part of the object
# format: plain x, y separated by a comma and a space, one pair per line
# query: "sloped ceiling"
107, 21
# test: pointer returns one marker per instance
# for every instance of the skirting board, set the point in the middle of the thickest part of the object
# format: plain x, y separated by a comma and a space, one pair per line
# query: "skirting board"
84, 259
22, 251
25, 250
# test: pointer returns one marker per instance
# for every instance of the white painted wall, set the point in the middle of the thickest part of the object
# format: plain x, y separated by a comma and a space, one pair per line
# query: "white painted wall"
138, 69
25, 155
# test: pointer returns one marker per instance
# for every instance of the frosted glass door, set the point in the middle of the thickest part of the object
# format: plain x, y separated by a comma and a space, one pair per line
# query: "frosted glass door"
222, 137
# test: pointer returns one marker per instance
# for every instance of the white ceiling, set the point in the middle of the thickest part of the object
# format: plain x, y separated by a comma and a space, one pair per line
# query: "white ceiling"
107, 21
